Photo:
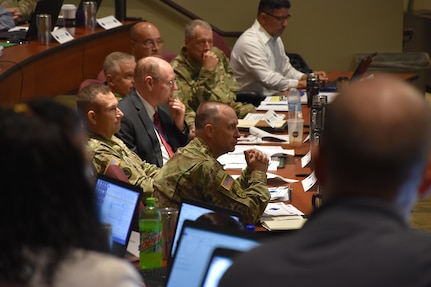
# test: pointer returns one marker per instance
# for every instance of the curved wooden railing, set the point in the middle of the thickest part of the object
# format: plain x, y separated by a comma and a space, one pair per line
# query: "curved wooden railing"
193, 16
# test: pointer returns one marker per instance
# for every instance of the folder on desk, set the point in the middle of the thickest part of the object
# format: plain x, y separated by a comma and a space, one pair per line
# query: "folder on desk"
269, 121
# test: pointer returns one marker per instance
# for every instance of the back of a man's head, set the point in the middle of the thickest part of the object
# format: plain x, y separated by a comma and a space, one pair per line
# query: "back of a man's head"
376, 139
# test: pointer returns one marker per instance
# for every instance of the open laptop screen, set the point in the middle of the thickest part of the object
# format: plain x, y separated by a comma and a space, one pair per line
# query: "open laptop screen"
196, 246
191, 210
117, 201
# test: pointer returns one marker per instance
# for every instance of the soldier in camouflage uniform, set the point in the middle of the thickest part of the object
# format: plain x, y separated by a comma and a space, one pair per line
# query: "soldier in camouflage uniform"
193, 172
20, 9
99, 108
203, 73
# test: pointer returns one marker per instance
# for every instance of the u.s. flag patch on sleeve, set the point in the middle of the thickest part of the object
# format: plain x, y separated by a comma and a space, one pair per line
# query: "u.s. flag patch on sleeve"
227, 182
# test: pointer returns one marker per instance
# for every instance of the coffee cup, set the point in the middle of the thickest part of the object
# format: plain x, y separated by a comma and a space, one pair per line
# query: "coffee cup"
295, 128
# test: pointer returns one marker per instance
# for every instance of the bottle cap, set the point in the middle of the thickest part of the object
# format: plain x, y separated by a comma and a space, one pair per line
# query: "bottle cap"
150, 200
250, 227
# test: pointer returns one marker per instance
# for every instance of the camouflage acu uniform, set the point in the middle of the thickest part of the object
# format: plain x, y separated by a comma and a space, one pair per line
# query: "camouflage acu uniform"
196, 85
26, 7
114, 151
194, 173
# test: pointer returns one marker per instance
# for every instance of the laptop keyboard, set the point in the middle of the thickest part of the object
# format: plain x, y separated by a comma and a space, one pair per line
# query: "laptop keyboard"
155, 277
14, 35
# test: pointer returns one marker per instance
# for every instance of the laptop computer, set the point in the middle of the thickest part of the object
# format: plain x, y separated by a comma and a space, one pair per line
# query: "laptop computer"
51, 7
195, 247
117, 202
188, 210
192, 209
364, 64
221, 259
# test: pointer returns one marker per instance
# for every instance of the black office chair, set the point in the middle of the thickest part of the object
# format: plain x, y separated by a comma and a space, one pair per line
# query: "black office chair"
299, 63
251, 97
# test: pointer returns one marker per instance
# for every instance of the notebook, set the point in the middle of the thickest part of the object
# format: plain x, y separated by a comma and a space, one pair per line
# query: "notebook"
117, 202
364, 64
221, 259
195, 248
51, 7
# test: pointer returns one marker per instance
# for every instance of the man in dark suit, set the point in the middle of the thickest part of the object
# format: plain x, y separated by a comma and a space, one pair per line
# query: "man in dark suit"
153, 125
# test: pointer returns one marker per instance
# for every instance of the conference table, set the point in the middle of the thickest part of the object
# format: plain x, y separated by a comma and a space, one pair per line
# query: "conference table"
293, 169
31, 70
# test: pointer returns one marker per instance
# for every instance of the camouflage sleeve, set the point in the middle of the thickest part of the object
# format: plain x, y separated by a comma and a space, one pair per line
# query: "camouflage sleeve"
141, 175
193, 89
249, 198
26, 7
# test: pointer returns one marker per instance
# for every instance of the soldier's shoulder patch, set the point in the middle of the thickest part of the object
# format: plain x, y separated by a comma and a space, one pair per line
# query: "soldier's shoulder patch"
227, 182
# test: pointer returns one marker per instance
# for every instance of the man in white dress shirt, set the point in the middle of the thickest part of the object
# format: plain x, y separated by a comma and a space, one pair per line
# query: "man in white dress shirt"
258, 58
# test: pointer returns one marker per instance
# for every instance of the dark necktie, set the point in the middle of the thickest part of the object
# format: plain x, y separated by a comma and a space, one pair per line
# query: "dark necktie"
162, 135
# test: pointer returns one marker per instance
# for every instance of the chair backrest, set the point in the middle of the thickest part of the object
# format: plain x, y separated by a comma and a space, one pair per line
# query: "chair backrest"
168, 56
220, 43
299, 63
88, 82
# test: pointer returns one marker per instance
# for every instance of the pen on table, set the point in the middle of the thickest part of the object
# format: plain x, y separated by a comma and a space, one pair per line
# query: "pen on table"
302, 174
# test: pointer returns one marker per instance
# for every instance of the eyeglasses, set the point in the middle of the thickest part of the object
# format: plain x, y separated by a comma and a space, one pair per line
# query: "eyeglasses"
171, 83
150, 43
279, 18
202, 43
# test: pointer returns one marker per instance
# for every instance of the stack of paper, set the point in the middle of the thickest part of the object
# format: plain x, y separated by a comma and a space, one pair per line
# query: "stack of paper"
281, 216
284, 223
270, 121
275, 103
236, 159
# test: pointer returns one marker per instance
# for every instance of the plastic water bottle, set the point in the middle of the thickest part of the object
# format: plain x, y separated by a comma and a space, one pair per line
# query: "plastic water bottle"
150, 229
294, 104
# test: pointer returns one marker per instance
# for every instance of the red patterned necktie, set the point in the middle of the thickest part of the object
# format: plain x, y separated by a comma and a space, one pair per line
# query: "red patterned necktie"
162, 135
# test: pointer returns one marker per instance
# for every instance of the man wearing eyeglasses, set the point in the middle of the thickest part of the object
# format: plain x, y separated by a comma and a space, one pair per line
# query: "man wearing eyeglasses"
145, 40
153, 124
203, 73
258, 58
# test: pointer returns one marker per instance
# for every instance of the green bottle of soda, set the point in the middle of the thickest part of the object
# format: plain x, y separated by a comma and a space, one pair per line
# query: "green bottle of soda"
150, 229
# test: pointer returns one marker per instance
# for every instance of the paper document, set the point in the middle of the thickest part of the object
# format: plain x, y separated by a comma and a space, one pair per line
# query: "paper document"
281, 193
271, 176
236, 159
280, 209
269, 120
268, 136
